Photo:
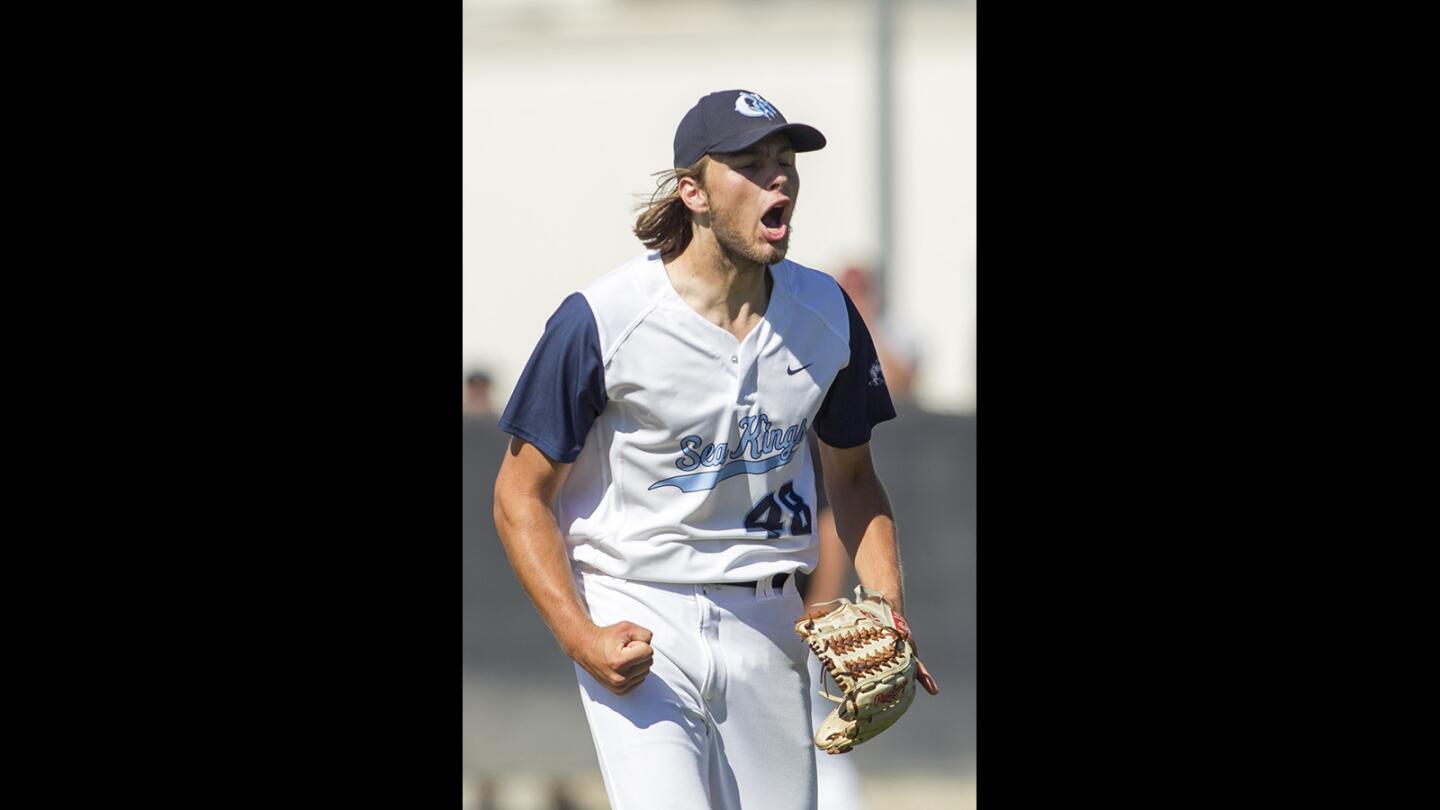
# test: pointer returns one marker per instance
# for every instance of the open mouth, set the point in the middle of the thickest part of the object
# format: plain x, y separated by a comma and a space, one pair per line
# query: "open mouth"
773, 222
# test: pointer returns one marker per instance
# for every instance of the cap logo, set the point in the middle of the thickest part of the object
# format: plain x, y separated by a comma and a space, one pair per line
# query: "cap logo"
754, 106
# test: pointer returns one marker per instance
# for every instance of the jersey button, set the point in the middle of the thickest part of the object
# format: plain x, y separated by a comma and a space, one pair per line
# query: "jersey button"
734, 359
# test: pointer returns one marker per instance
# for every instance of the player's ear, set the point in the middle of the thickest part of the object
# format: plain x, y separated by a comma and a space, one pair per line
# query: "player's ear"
693, 195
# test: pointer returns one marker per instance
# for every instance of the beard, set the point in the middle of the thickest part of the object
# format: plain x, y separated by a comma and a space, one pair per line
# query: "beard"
738, 243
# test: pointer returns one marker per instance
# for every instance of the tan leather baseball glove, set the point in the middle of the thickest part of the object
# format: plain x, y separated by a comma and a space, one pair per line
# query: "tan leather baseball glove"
866, 648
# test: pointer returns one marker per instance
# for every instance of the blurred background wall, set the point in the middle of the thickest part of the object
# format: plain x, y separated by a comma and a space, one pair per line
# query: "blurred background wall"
569, 107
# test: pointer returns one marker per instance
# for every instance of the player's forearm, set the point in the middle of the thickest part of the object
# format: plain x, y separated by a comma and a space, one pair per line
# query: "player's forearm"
866, 525
828, 580
536, 549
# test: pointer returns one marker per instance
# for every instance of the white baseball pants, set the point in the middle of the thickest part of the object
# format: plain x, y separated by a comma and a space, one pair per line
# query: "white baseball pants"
722, 722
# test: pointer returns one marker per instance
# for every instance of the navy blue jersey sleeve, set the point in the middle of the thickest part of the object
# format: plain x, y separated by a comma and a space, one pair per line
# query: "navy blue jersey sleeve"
562, 389
858, 398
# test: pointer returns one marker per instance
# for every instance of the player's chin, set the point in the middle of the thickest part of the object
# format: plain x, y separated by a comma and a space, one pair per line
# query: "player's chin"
775, 253
774, 247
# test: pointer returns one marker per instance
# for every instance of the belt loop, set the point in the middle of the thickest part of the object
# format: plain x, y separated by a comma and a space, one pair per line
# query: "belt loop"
781, 588
763, 587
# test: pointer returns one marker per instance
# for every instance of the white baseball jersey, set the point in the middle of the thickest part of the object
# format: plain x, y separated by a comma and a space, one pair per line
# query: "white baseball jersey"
690, 463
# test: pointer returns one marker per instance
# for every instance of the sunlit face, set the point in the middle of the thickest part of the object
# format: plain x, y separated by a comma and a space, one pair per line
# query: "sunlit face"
752, 198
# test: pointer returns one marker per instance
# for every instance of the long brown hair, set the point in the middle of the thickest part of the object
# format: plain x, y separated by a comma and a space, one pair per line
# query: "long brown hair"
664, 222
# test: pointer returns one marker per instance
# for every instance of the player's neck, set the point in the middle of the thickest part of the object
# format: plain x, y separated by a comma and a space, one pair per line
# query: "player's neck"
724, 289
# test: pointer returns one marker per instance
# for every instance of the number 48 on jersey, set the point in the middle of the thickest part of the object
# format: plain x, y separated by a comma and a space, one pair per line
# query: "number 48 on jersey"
769, 513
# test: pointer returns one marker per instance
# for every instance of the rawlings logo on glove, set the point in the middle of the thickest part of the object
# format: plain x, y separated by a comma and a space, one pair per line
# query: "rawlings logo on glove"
866, 648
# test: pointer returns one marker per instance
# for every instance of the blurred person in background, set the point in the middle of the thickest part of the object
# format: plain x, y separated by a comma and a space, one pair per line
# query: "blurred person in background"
898, 348
476, 402
711, 355
560, 798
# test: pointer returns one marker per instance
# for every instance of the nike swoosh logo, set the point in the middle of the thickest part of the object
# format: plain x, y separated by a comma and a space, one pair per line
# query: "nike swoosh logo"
793, 371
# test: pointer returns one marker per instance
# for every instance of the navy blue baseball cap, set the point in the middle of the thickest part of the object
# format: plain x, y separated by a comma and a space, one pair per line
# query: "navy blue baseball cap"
732, 121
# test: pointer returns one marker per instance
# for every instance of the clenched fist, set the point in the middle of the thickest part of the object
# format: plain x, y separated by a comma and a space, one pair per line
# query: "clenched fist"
617, 656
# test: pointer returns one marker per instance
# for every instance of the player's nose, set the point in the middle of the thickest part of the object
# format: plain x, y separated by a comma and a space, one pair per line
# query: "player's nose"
781, 180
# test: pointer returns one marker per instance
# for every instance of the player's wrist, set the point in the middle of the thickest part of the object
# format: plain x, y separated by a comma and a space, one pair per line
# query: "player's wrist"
890, 594
577, 640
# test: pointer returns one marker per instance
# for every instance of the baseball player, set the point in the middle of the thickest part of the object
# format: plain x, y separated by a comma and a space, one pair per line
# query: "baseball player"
657, 497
